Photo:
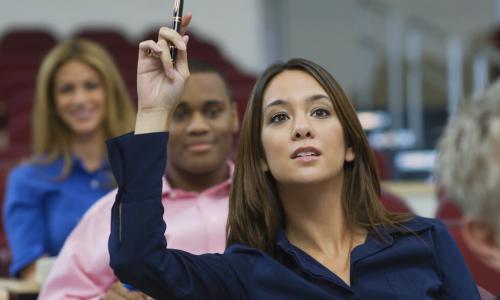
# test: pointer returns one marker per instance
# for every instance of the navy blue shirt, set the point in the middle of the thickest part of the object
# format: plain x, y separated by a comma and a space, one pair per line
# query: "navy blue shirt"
41, 209
424, 263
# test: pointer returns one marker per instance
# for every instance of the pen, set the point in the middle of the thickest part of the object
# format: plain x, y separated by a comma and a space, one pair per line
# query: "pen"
176, 24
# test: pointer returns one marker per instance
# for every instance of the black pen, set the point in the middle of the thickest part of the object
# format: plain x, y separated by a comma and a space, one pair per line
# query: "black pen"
176, 24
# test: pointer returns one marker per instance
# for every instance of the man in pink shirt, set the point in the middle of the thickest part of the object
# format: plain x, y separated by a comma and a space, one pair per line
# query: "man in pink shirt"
195, 195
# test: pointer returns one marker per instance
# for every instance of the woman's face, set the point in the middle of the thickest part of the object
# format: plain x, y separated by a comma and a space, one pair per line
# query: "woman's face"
80, 97
301, 135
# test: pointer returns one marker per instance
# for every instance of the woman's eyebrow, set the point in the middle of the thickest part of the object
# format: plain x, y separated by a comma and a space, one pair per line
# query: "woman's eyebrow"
317, 97
276, 102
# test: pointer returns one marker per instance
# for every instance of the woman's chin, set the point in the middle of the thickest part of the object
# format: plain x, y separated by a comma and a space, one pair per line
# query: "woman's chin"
305, 180
84, 130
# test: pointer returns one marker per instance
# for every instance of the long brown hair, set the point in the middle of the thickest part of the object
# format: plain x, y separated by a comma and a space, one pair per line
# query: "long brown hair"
51, 138
255, 210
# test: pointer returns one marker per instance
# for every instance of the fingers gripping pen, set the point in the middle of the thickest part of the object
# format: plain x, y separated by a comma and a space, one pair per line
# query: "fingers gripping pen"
176, 24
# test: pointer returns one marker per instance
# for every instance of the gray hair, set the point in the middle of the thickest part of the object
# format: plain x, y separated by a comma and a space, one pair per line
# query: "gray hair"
468, 164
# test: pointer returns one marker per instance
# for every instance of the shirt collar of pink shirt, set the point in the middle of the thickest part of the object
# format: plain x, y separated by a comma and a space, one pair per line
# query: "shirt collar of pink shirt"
217, 191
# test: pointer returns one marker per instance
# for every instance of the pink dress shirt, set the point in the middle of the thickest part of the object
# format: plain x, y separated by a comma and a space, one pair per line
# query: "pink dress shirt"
196, 223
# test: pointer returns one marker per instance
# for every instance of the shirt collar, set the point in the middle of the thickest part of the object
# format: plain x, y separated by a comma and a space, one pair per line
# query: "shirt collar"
373, 243
306, 262
389, 234
78, 163
221, 189
413, 225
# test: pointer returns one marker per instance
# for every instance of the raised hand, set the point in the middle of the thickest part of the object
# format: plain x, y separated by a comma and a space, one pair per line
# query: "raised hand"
160, 82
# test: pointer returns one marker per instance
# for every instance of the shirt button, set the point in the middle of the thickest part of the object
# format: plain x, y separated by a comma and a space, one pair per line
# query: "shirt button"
94, 184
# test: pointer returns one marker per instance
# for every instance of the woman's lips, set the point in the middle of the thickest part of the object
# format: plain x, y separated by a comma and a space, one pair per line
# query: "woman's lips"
306, 158
83, 115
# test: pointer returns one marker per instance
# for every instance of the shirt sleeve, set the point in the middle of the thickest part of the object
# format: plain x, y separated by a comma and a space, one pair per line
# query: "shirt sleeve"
82, 270
457, 280
24, 219
137, 244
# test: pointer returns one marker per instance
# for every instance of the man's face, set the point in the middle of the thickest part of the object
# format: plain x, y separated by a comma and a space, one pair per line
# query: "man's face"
202, 126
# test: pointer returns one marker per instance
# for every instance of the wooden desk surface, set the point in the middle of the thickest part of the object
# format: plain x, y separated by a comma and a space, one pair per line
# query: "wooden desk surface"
4, 294
420, 196
19, 286
410, 188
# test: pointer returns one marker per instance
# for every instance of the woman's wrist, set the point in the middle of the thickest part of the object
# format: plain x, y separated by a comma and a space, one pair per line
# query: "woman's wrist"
152, 120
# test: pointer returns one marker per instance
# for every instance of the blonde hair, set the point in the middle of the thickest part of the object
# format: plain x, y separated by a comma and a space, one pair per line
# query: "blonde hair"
468, 165
51, 138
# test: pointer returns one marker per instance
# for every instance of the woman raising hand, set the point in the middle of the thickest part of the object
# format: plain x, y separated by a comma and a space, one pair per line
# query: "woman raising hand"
305, 217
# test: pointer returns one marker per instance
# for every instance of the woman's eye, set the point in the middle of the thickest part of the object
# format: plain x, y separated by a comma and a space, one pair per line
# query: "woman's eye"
278, 118
320, 113
91, 85
67, 88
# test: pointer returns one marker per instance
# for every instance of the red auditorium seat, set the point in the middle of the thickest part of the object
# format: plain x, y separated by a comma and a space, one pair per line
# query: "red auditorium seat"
15, 80
5, 166
16, 99
19, 108
13, 62
484, 276
383, 165
394, 203
447, 209
123, 52
27, 41
109, 38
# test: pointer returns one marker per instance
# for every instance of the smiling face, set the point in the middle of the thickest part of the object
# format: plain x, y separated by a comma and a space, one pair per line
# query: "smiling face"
80, 97
302, 137
202, 126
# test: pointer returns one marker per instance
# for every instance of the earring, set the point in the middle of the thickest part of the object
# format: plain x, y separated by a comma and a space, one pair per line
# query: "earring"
349, 156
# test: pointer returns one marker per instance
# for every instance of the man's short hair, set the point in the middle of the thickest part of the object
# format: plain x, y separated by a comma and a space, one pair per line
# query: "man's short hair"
200, 66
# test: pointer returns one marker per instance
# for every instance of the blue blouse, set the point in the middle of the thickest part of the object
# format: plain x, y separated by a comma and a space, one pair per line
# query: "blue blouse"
424, 263
41, 210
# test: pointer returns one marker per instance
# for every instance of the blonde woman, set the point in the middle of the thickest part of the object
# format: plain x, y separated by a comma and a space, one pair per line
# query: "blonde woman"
80, 102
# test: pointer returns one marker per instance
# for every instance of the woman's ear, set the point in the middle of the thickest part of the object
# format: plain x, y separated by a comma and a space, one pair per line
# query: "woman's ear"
263, 165
349, 154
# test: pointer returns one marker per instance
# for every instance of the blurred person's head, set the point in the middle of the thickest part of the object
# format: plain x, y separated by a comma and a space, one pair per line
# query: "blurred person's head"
79, 93
469, 170
202, 129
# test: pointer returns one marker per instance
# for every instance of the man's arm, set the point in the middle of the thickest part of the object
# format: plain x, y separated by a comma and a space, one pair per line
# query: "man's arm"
82, 267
